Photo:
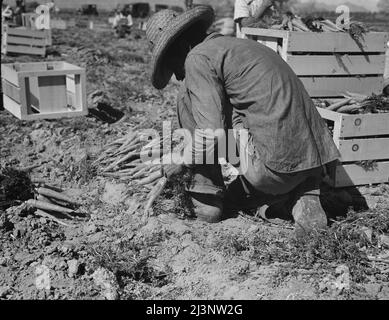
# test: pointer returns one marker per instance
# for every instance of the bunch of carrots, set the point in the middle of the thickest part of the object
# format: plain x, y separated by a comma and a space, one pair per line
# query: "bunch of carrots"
54, 205
122, 159
358, 103
292, 22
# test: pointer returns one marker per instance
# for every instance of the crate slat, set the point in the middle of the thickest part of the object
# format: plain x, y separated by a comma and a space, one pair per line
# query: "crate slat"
27, 41
39, 34
355, 175
11, 90
357, 125
308, 65
324, 87
12, 106
335, 42
329, 56
364, 125
364, 149
26, 50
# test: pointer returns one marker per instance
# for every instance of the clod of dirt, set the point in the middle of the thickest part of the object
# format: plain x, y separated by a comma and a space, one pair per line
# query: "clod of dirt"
114, 193
384, 240
90, 228
73, 267
106, 281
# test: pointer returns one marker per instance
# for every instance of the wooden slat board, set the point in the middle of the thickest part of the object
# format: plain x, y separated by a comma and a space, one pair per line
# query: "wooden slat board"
325, 41
26, 49
355, 175
26, 33
335, 42
334, 65
364, 149
26, 41
11, 90
334, 87
9, 74
266, 32
12, 106
363, 125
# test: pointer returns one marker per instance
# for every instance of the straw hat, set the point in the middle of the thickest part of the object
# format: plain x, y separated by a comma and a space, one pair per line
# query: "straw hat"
163, 29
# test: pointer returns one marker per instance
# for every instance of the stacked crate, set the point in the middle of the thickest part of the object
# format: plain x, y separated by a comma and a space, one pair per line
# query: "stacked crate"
363, 142
24, 41
330, 63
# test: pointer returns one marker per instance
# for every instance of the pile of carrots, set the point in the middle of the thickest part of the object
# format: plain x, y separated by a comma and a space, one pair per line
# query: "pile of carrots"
357, 103
292, 22
54, 205
122, 159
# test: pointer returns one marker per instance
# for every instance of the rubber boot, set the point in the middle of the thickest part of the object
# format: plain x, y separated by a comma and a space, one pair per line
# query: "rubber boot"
307, 211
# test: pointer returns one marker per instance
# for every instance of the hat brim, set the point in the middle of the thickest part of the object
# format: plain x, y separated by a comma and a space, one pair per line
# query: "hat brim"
201, 15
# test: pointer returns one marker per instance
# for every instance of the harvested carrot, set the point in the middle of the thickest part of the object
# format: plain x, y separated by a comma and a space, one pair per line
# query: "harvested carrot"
140, 173
337, 105
151, 178
300, 25
46, 215
153, 195
116, 175
48, 206
56, 195
121, 160
350, 108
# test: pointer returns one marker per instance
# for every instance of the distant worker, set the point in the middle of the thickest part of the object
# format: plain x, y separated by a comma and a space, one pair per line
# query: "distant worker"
250, 13
118, 16
20, 9
130, 22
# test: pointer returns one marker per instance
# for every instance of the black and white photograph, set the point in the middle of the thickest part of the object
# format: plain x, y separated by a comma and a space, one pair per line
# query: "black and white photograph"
194, 156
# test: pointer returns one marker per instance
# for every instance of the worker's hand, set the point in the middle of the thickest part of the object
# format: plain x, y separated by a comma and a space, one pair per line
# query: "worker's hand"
171, 170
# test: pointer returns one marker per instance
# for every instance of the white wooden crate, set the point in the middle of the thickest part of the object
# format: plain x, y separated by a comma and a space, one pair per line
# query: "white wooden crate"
329, 63
43, 90
360, 138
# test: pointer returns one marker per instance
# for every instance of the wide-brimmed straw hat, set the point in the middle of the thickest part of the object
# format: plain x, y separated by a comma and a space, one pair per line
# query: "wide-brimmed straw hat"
164, 28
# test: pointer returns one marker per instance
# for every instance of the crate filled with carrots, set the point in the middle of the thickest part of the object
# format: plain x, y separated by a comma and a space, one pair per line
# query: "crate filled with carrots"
329, 59
360, 128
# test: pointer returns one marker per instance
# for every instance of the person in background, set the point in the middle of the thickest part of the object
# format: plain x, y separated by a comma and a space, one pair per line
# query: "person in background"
20, 9
118, 17
249, 13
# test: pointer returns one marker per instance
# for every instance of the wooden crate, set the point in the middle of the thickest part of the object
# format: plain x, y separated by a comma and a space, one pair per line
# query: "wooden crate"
360, 138
24, 41
43, 90
329, 63
28, 22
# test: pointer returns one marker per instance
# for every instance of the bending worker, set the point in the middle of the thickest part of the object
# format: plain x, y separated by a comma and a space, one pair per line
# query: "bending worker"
236, 83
